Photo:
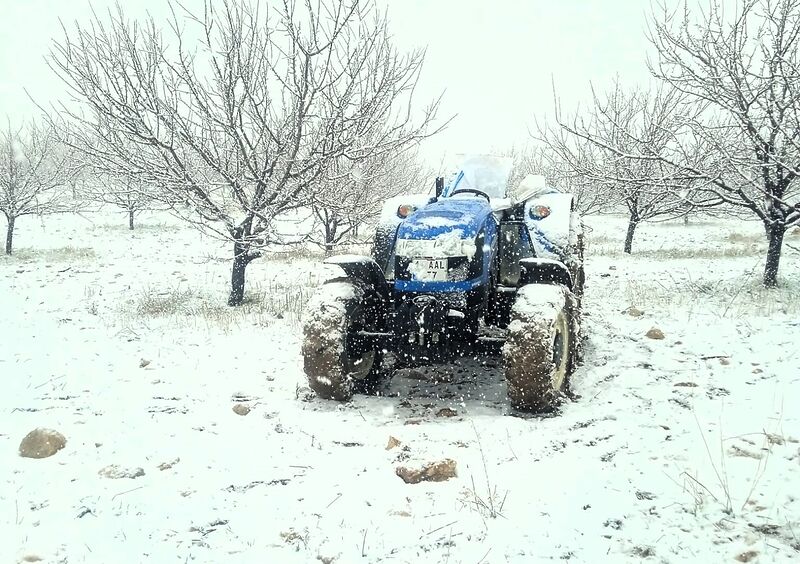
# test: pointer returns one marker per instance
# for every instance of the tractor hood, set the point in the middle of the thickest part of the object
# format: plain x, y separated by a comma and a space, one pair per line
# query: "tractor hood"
448, 227
459, 217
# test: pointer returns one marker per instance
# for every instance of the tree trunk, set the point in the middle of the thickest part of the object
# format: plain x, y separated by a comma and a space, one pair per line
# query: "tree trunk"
632, 223
130, 220
330, 235
10, 234
240, 262
775, 235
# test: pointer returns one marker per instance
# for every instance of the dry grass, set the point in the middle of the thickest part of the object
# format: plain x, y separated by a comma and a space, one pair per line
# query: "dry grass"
711, 252
603, 240
144, 227
731, 245
746, 239
262, 305
284, 299
59, 254
739, 297
311, 252
153, 302
699, 289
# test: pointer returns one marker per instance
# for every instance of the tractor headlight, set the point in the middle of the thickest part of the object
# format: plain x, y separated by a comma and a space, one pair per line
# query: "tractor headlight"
405, 210
539, 212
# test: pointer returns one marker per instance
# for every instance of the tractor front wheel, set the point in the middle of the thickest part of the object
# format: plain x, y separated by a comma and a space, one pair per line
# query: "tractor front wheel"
334, 368
540, 347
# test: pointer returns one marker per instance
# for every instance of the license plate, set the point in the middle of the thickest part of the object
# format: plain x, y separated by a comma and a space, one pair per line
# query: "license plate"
429, 270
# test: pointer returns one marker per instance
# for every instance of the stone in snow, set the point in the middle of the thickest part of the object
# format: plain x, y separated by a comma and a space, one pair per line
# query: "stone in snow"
393, 442
241, 409
116, 472
41, 443
432, 472
655, 333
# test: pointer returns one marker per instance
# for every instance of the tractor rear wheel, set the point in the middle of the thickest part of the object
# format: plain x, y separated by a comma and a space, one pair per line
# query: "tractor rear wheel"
334, 368
540, 347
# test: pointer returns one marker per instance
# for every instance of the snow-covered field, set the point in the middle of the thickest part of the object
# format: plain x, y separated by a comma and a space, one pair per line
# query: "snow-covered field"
673, 450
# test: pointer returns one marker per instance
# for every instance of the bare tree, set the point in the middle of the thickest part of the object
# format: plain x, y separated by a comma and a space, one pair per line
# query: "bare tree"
738, 133
241, 111
352, 193
131, 195
562, 159
35, 175
744, 66
627, 128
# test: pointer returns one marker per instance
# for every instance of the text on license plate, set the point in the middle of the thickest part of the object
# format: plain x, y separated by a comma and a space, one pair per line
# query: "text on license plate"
429, 270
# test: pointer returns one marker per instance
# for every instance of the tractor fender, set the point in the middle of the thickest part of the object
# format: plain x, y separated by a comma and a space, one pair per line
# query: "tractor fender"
362, 268
544, 271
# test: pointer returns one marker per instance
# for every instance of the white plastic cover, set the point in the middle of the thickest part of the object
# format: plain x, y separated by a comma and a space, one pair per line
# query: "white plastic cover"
486, 173
553, 230
389, 210
530, 186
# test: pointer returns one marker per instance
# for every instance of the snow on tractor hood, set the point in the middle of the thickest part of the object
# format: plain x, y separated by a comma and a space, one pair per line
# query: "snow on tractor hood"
450, 225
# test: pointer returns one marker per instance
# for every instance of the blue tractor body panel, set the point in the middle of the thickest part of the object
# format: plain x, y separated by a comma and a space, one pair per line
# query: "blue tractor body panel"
461, 231
468, 215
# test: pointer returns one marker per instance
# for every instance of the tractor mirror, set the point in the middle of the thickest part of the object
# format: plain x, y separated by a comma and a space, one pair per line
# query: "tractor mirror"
439, 185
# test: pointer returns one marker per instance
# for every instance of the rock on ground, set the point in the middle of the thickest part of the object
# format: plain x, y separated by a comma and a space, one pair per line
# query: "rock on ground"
393, 442
116, 472
432, 472
41, 443
655, 333
241, 409
633, 311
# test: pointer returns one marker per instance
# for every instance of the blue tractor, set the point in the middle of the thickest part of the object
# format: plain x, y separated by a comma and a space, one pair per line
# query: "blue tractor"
480, 264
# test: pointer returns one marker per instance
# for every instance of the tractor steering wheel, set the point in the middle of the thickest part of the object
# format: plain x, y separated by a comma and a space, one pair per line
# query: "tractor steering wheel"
472, 191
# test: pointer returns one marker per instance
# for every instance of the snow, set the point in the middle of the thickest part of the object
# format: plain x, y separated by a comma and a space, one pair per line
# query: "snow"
333, 294
435, 221
448, 244
555, 228
389, 210
347, 259
641, 462
542, 299
529, 186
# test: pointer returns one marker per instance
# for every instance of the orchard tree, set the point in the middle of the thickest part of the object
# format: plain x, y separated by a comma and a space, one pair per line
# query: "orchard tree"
626, 128
352, 193
737, 134
562, 159
130, 195
240, 112
35, 175
743, 65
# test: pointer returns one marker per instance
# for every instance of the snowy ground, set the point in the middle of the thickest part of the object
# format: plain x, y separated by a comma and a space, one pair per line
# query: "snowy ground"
684, 449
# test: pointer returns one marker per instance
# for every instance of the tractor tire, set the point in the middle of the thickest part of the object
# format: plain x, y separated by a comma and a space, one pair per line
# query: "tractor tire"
333, 372
539, 354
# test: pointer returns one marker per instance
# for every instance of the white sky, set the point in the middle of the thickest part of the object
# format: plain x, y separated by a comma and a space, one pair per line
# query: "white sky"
494, 60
